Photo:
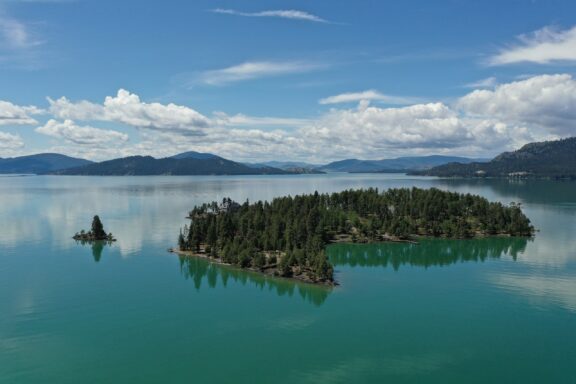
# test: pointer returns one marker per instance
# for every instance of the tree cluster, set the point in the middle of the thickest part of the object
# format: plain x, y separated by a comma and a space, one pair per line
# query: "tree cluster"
289, 234
97, 232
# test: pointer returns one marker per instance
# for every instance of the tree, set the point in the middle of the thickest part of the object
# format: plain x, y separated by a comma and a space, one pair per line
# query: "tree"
98, 229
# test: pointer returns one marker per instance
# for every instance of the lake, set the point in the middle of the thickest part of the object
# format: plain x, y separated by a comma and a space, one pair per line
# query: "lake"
442, 311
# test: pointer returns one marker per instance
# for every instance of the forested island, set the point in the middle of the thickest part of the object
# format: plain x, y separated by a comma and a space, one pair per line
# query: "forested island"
287, 236
96, 234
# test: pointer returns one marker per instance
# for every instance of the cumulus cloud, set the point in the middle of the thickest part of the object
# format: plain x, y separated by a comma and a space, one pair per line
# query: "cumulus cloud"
10, 141
281, 13
83, 135
482, 123
547, 102
377, 132
127, 108
542, 47
538, 108
11, 114
254, 70
371, 95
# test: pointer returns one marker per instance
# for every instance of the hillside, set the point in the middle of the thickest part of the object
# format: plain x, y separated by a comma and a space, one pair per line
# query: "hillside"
40, 163
195, 155
147, 165
399, 164
285, 165
552, 159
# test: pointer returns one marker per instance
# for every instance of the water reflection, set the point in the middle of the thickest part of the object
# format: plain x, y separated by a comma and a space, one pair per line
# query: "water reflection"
437, 252
540, 290
200, 270
149, 210
97, 247
551, 193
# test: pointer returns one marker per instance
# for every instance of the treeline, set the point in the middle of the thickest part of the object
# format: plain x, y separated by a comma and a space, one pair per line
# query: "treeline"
288, 234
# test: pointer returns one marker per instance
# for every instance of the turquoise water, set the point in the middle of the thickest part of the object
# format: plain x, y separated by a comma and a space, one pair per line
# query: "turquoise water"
488, 310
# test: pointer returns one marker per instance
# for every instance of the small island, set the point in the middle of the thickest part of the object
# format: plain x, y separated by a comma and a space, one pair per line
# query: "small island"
96, 234
286, 237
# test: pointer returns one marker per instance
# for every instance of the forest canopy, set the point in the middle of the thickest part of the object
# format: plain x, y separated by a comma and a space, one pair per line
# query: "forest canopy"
287, 235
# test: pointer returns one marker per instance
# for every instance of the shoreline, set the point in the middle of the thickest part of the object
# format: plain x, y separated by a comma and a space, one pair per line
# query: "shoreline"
270, 271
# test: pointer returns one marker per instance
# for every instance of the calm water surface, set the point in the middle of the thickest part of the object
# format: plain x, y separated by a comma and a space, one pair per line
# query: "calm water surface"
478, 311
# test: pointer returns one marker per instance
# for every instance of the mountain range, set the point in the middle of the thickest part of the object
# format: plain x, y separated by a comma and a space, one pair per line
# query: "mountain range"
553, 159
39, 164
400, 164
198, 163
190, 164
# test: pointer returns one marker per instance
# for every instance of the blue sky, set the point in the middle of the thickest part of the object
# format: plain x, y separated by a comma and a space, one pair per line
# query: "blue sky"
285, 80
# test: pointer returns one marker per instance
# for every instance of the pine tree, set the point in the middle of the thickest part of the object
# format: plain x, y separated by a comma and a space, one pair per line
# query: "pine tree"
98, 229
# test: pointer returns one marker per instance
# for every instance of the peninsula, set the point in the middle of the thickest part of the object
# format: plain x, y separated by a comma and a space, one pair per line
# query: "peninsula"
554, 160
287, 236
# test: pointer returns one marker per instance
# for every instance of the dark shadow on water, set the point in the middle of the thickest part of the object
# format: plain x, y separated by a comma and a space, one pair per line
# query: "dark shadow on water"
428, 253
203, 272
96, 246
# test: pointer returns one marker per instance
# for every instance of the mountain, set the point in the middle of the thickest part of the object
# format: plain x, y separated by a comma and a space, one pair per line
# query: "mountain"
400, 164
285, 165
147, 165
554, 159
40, 163
195, 155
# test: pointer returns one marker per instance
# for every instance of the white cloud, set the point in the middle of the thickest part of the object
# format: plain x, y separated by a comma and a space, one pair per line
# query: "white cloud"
10, 141
223, 119
372, 132
254, 70
281, 13
539, 108
83, 135
371, 95
14, 34
547, 102
489, 82
542, 47
11, 114
481, 123
127, 108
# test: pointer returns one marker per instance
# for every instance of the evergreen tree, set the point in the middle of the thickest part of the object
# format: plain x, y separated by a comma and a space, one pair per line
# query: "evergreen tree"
98, 229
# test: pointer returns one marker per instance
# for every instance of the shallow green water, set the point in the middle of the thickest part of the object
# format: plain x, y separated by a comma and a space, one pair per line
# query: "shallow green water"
490, 310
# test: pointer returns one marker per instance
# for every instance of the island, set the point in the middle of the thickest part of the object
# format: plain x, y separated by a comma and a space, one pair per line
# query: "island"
286, 237
96, 234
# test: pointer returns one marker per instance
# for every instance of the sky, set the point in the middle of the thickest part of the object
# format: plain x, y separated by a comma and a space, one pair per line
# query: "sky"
306, 80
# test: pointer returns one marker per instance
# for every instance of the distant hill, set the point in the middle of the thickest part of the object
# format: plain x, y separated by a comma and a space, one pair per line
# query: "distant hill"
554, 159
40, 163
284, 164
195, 155
400, 164
147, 165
